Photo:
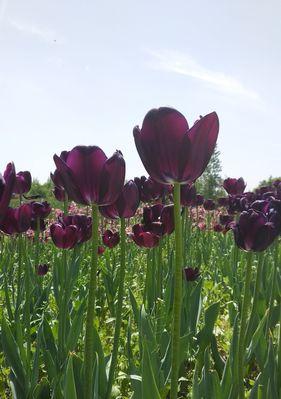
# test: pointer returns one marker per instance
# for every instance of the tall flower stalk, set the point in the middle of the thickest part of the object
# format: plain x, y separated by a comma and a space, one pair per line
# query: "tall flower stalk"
89, 334
243, 324
177, 293
119, 308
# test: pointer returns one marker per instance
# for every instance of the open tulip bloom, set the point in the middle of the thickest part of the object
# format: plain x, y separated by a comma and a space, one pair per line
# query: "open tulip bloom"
173, 153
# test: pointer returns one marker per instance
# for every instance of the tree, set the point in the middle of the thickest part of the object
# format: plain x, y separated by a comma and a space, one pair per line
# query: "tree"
210, 183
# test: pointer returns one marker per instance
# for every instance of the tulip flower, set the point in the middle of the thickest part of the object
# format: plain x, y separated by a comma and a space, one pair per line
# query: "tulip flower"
188, 194
234, 186
199, 200
88, 176
218, 228
110, 239
170, 151
6, 188
42, 269
253, 231
126, 204
40, 209
223, 201
149, 189
22, 183
191, 274
143, 238
17, 220
64, 237
209, 205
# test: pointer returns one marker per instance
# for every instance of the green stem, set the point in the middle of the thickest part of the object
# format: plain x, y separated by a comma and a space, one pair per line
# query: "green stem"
89, 335
244, 314
19, 279
256, 296
119, 308
272, 290
177, 294
27, 314
62, 306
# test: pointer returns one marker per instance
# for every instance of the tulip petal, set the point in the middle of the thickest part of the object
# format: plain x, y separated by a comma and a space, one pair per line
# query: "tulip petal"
112, 179
203, 137
10, 178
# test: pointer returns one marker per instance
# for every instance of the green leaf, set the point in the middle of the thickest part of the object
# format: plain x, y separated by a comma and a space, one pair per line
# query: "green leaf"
149, 387
69, 381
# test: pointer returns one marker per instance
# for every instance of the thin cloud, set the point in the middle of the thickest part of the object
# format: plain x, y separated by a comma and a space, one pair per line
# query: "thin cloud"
185, 65
44, 34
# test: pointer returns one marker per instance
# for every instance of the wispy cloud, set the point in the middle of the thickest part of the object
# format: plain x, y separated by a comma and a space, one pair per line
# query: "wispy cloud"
183, 64
46, 35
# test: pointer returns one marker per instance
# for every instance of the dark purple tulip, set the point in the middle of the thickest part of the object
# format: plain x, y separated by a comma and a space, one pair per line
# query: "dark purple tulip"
82, 223
170, 151
110, 239
253, 231
40, 209
188, 194
101, 250
42, 269
64, 237
143, 238
88, 176
223, 201
191, 274
225, 219
218, 228
59, 193
149, 189
167, 219
22, 183
6, 188
209, 205
199, 200
17, 220
126, 204
234, 186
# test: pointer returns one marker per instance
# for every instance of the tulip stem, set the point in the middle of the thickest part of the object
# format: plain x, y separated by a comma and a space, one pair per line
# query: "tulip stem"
272, 290
256, 296
177, 293
89, 335
119, 307
243, 324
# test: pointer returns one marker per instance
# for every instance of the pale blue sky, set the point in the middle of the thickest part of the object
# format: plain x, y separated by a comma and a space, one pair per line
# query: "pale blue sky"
86, 72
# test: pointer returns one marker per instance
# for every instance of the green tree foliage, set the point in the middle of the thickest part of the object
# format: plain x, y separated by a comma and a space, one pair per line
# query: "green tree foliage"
268, 182
210, 183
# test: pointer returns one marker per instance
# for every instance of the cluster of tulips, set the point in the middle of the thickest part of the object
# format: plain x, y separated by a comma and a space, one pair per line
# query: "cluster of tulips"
172, 212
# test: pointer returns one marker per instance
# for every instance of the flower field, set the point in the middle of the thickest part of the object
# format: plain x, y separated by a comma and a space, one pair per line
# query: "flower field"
140, 289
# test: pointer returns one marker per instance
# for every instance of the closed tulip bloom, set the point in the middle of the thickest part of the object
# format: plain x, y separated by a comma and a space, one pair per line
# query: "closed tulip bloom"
188, 194
82, 223
40, 209
22, 183
234, 186
126, 204
42, 269
253, 231
17, 220
223, 201
218, 228
110, 239
64, 237
6, 188
88, 176
170, 151
191, 274
199, 200
149, 189
209, 205
143, 238
167, 219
